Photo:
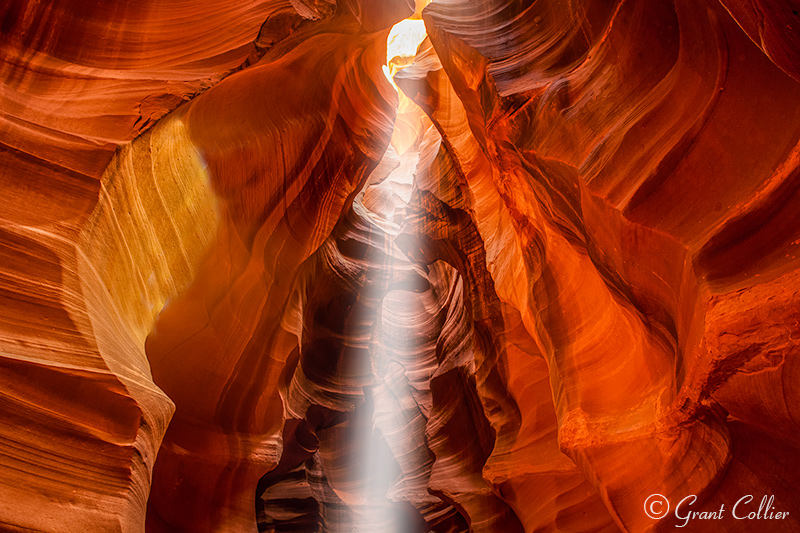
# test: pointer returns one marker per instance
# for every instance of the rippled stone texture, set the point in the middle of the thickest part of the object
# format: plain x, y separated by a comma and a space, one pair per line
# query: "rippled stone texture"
637, 181
250, 285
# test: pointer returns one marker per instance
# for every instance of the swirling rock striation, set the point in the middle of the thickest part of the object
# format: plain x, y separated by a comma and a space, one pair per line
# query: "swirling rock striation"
251, 284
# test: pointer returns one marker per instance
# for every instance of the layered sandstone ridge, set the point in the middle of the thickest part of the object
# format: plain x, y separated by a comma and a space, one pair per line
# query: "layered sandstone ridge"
259, 276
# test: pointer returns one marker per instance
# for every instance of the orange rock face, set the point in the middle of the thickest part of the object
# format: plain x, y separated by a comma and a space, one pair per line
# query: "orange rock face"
275, 266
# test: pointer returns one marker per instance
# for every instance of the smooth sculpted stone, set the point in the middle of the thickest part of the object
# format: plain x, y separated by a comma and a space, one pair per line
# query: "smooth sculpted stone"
283, 175
296, 265
615, 181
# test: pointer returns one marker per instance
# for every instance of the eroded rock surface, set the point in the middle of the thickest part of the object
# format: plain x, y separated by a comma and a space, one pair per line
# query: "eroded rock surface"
261, 275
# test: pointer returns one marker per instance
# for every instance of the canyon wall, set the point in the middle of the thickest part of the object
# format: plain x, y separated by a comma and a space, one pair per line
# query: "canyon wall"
275, 266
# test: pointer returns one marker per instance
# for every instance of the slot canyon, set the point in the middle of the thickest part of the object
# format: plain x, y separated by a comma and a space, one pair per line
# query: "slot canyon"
384, 266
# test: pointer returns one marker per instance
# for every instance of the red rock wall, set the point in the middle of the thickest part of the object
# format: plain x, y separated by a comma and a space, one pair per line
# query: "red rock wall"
248, 286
